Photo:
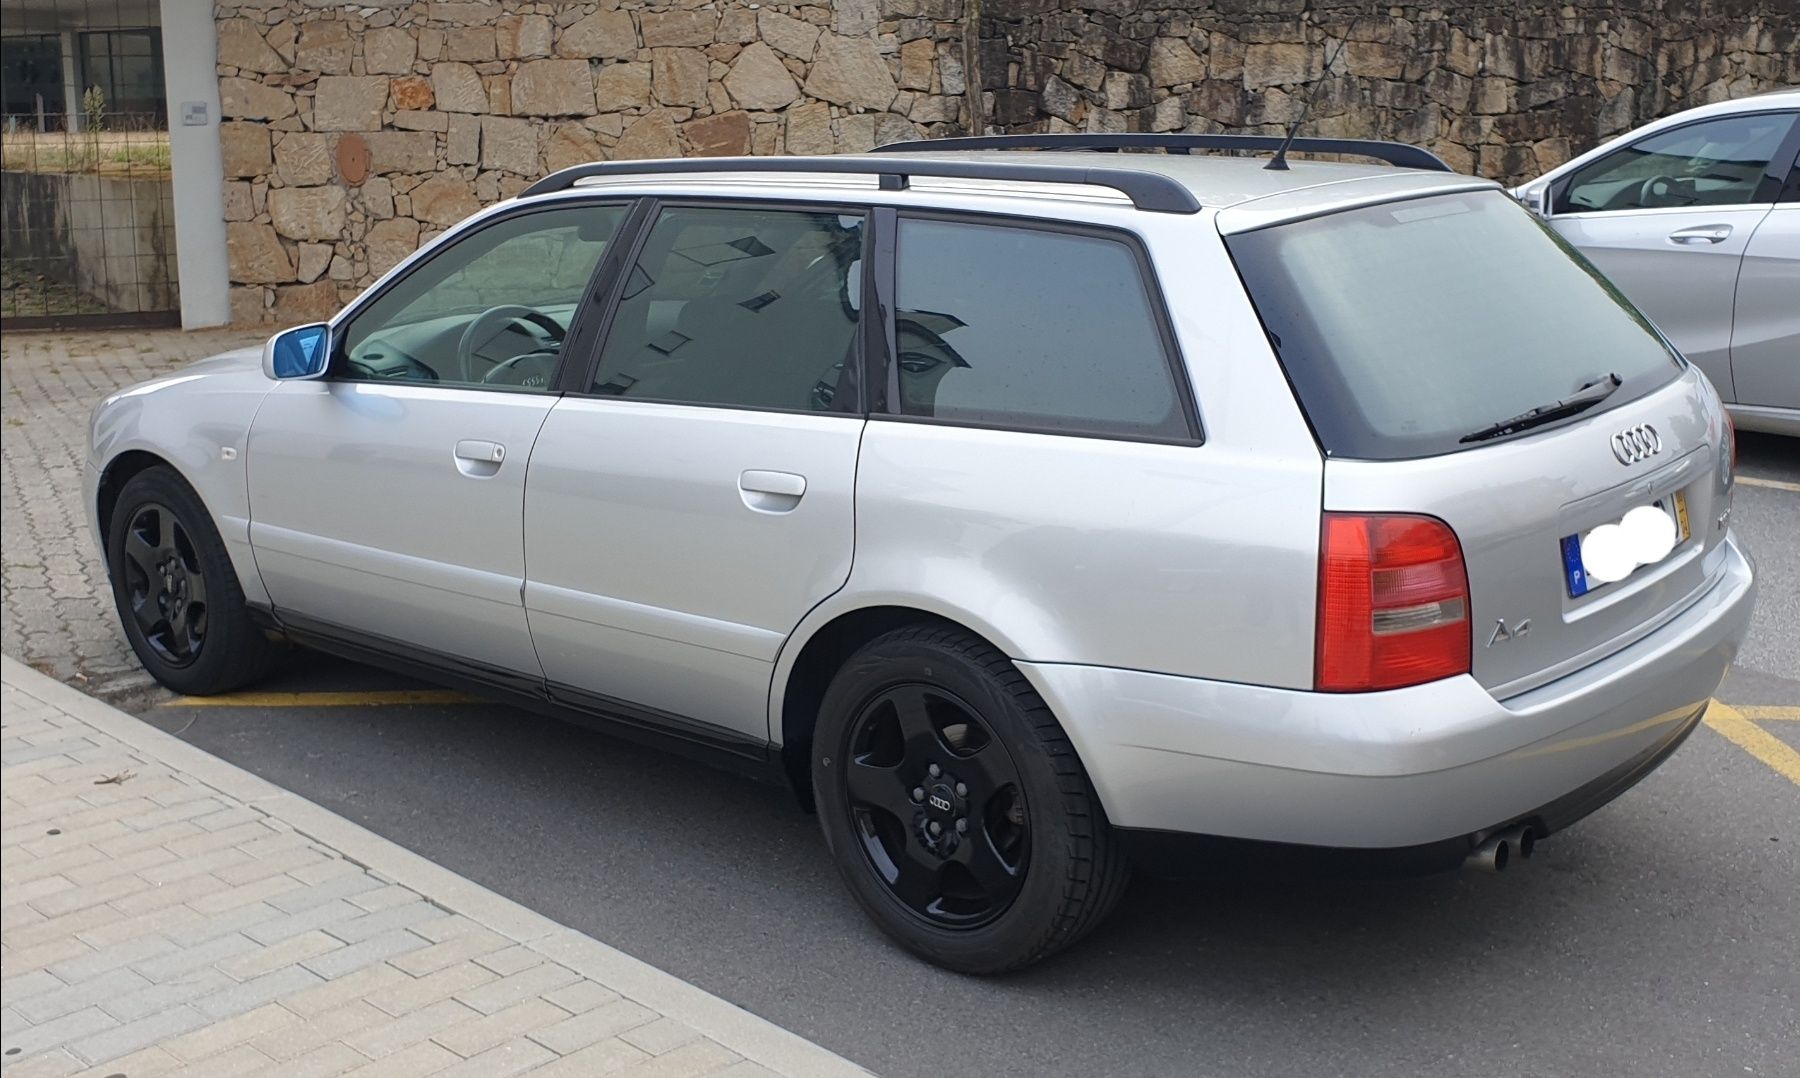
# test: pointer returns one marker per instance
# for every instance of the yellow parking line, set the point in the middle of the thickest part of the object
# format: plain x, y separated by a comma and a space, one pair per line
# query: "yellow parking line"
327, 699
1754, 740
1777, 484
1770, 713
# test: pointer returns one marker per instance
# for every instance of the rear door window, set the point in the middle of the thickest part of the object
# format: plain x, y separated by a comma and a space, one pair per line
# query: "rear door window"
1030, 328
741, 308
1407, 327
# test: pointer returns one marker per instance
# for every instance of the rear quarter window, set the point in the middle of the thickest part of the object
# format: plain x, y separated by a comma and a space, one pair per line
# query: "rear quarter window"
1029, 328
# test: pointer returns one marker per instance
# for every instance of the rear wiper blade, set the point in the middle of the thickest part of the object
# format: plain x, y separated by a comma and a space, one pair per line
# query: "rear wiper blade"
1581, 400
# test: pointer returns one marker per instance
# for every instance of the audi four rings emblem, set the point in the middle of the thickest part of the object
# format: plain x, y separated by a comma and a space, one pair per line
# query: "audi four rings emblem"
1636, 443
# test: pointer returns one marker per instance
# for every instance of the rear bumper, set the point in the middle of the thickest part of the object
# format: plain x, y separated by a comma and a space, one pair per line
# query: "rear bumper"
1410, 767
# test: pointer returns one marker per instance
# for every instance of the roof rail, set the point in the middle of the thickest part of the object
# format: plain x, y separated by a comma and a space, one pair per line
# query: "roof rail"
1146, 190
1394, 153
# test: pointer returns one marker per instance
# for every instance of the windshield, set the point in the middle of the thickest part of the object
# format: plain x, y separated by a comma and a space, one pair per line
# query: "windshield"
1405, 327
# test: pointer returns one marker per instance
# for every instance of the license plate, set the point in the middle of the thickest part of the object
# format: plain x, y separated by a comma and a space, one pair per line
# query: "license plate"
1576, 571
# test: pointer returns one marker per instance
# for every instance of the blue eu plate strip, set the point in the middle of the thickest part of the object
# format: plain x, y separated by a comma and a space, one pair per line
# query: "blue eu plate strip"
1572, 567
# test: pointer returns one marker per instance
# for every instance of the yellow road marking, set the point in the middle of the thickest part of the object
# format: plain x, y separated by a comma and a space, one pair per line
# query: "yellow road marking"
327, 699
1754, 740
1777, 484
1771, 713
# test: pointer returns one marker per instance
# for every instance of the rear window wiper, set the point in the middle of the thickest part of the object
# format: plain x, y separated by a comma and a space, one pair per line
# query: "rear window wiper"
1581, 400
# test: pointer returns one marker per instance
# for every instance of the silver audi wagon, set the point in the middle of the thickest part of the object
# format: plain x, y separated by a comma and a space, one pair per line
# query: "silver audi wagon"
1035, 506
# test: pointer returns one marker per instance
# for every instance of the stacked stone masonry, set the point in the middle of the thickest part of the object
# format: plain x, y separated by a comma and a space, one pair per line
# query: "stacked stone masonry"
354, 133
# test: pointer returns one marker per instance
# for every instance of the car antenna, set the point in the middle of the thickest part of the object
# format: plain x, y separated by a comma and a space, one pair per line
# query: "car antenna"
1278, 163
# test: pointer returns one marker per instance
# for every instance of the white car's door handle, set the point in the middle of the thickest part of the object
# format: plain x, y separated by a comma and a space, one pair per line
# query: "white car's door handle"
479, 459
771, 492
1701, 234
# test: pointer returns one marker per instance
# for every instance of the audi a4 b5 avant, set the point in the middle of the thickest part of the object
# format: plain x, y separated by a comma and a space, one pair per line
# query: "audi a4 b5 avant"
1026, 510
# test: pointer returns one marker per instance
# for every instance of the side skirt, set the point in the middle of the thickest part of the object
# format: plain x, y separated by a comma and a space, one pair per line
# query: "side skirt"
704, 742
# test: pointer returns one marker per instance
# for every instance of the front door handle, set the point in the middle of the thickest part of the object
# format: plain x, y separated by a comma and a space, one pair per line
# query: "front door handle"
1701, 234
771, 492
479, 459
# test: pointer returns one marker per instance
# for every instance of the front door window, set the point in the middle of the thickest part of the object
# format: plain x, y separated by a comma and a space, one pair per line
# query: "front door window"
492, 310
1711, 163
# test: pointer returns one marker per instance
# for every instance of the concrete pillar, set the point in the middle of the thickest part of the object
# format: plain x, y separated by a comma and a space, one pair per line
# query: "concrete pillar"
71, 78
191, 82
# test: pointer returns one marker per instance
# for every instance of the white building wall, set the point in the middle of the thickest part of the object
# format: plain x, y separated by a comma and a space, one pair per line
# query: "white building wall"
190, 57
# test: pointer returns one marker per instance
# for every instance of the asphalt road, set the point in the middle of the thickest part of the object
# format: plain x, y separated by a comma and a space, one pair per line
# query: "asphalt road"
1659, 937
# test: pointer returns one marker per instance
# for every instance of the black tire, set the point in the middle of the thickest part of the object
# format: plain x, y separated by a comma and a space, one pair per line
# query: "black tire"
190, 628
1065, 868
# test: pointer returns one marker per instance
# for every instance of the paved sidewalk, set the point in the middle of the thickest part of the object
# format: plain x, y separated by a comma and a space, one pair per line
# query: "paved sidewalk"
168, 913
55, 607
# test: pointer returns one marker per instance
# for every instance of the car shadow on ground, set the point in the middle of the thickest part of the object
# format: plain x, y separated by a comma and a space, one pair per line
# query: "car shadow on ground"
586, 827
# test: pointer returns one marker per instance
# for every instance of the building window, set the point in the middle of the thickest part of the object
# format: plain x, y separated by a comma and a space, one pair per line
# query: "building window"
127, 67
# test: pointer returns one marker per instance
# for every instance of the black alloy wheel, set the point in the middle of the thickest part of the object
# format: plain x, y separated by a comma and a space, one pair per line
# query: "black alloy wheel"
955, 807
165, 587
938, 805
176, 591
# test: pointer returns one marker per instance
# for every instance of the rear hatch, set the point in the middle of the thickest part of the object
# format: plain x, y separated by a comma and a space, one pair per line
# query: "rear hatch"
1456, 360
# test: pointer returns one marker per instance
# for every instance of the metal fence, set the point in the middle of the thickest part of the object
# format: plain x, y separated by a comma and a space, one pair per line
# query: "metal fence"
86, 198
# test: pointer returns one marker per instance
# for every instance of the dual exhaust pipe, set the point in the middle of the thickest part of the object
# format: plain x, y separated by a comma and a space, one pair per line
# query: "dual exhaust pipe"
1500, 848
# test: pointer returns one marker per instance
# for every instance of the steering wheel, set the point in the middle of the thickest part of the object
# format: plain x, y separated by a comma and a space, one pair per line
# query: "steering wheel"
488, 323
518, 371
1655, 191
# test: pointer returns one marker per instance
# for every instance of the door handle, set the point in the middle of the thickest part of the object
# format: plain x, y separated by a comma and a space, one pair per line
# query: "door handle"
479, 459
1701, 234
771, 492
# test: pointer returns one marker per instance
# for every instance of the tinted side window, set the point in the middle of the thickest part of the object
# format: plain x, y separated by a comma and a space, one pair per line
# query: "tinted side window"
491, 309
1712, 163
1018, 327
739, 307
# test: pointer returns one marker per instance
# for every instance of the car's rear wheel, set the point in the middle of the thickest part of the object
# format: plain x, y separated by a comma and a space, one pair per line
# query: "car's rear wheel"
177, 594
955, 807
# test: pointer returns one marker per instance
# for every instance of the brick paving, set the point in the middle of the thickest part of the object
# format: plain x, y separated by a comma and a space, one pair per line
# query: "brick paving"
163, 912
166, 913
56, 610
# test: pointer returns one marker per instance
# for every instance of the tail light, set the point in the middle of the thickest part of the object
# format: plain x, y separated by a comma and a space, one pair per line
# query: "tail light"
1393, 603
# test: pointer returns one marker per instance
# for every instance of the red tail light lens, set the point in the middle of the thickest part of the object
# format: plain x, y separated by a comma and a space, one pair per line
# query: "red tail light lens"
1393, 603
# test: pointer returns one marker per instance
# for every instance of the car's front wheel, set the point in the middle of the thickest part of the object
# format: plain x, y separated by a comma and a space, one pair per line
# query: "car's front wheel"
176, 592
955, 807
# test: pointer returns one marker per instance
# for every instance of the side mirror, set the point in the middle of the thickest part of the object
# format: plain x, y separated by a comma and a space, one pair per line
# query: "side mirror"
299, 353
1536, 197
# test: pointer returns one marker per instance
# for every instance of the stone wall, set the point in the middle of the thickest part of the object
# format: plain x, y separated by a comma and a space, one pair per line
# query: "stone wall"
1505, 90
353, 133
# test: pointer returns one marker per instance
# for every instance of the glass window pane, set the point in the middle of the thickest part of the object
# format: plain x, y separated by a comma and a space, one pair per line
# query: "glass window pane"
492, 309
746, 308
1407, 325
1017, 327
1713, 163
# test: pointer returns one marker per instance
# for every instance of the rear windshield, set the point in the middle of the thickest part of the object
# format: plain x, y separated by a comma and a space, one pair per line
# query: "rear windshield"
1406, 326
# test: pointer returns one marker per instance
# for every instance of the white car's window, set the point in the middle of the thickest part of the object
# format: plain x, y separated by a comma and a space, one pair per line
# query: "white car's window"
1029, 328
490, 310
1711, 163
741, 308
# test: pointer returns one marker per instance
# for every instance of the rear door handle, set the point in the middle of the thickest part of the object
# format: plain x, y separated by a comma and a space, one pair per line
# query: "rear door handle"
771, 492
479, 459
1701, 234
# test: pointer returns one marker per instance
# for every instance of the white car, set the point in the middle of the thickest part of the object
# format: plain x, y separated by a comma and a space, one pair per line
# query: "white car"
1696, 218
1032, 513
